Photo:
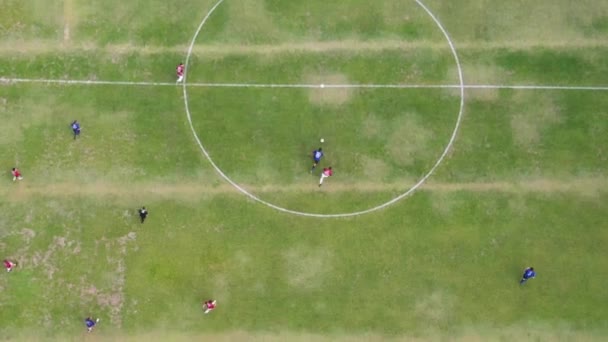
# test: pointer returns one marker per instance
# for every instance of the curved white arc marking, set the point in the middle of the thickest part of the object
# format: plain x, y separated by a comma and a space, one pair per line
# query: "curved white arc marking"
300, 213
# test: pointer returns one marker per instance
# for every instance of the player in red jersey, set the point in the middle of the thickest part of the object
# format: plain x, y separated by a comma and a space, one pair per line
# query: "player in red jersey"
209, 305
327, 172
9, 265
180, 72
16, 174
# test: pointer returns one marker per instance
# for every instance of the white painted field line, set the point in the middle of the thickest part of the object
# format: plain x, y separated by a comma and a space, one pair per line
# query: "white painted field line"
535, 87
5, 80
311, 86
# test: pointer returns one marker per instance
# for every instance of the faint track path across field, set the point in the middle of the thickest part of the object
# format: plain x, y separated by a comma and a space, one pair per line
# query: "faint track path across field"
195, 190
210, 50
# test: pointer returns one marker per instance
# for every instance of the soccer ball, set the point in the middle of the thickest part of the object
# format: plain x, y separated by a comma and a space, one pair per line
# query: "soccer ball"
322, 140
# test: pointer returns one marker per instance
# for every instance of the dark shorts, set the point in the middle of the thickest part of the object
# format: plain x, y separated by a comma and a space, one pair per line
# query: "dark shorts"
316, 160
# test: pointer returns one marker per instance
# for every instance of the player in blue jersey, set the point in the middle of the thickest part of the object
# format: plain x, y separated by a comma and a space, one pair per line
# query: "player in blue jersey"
316, 158
528, 274
76, 128
90, 323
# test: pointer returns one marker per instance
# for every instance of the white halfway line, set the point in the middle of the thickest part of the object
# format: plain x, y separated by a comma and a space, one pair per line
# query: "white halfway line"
279, 85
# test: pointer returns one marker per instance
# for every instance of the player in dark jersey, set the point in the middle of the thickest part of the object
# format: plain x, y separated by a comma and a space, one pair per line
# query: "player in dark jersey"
316, 158
143, 213
76, 129
529, 273
90, 323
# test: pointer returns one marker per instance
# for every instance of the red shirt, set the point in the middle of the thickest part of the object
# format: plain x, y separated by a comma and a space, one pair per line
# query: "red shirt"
328, 172
180, 70
16, 173
8, 264
210, 305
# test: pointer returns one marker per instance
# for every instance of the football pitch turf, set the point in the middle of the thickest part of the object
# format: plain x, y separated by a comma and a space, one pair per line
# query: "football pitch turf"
523, 184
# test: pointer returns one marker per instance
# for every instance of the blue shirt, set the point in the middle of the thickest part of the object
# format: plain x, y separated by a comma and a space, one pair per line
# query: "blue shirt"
89, 322
76, 126
529, 274
317, 155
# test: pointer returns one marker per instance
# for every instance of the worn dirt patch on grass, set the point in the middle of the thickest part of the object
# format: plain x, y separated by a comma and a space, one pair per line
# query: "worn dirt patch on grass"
255, 23
537, 113
70, 20
216, 50
306, 267
409, 140
539, 21
481, 94
27, 234
328, 96
54, 260
445, 203
522, 332
435, 307
372, 126
478, 74
110, 298
375, 169
19, 115
589, 186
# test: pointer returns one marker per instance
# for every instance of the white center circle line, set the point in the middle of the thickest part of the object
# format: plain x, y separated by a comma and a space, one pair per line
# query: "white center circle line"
448, 147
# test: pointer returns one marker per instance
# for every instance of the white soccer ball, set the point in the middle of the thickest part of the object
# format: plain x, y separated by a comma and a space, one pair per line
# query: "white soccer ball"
322, 140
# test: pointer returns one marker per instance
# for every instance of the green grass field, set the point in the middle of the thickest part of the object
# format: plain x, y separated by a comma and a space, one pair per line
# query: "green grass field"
525, 183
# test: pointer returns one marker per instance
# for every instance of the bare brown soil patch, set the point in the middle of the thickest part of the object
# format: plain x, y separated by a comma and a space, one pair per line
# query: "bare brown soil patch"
328, 96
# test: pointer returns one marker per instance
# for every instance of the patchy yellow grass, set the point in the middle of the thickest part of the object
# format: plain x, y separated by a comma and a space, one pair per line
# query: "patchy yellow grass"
375, 169
537, 114
306, 266
17, 117
591, 187
468, 334
254, 22
70, 20
328, 96
481, 73
435, 307
409, 140
529, 21
372, 126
